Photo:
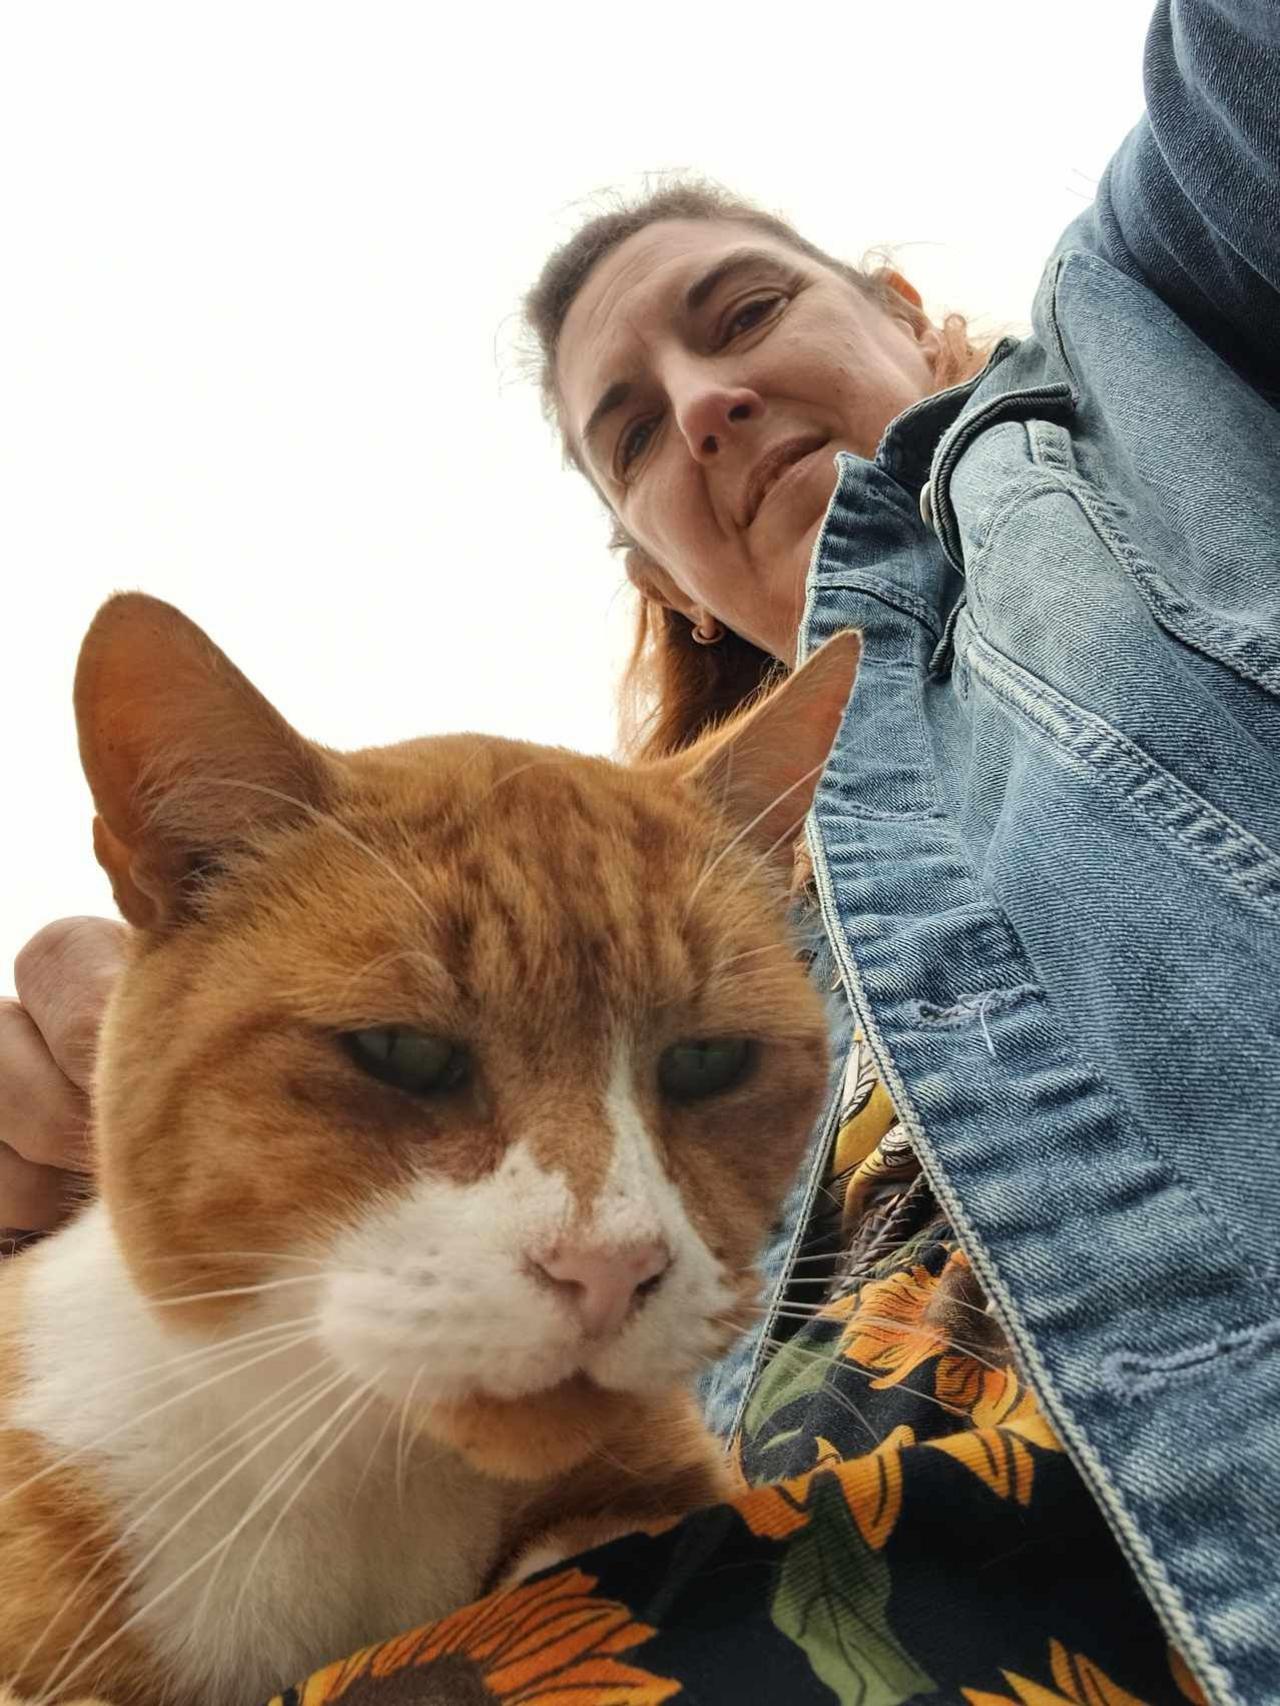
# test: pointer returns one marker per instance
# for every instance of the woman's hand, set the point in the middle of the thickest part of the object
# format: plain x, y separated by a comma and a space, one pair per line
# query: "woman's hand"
48, 1038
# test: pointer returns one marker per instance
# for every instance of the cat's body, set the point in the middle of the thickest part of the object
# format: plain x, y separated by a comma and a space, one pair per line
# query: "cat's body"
440, 1112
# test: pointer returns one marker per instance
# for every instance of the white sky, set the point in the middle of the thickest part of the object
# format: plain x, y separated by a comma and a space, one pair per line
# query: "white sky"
259, 271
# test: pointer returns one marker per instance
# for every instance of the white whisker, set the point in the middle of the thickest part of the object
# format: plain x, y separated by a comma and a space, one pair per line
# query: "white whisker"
374, 1449
340, 995
273, 1349
236, 1291
227, 1255
63, 1678
205, 1461
304, 1483
400, 1439
835, 1360
826, 1390
273, 1480
948, 1347
518, 770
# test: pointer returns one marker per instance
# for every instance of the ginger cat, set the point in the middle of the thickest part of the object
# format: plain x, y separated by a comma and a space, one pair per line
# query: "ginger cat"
446, 1099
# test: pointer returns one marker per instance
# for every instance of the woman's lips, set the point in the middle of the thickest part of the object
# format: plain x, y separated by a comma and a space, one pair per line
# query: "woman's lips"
773, 468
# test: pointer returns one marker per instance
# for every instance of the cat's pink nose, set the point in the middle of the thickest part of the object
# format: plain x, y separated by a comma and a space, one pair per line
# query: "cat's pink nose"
601, 1282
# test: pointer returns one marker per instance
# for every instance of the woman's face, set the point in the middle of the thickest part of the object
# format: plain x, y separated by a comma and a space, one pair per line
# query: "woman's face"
708, 376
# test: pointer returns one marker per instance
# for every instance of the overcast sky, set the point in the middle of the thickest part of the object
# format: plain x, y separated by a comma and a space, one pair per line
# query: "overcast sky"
260, 268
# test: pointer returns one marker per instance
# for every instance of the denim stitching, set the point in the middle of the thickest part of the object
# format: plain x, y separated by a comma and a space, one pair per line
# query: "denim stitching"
1245, 654
1038, 483
1132, 1377
1097, 749
884, 592
1238, 650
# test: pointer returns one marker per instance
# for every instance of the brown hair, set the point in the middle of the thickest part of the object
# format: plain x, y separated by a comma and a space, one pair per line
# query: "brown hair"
673, 689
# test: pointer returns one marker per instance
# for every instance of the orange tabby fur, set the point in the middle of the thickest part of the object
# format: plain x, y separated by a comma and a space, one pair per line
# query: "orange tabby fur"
539, 903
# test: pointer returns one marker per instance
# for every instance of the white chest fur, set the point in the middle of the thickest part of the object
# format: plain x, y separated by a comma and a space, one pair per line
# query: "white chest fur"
200, 1457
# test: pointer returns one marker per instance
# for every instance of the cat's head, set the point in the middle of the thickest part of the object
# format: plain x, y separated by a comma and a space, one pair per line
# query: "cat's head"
490, 1063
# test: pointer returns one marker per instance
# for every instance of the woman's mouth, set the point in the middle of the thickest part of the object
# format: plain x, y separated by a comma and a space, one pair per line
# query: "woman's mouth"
774, 468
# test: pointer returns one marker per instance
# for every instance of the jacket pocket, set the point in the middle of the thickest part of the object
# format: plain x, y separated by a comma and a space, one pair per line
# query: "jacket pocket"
1176, 459
1221, 849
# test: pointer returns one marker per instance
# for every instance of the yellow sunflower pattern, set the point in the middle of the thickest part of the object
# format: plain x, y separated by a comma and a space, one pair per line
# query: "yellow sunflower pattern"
871, 1486
895, 1326
549, 1642
1075, 1681
1007, 1421
888, 1327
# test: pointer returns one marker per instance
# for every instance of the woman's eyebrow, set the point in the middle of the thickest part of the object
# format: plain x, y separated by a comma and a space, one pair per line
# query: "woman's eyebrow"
741, 260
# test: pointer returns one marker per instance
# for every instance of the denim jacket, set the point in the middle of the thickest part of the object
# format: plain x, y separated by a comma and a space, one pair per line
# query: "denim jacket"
1047, 846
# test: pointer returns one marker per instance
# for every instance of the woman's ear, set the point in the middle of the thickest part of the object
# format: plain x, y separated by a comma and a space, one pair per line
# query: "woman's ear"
903, 286
912, 314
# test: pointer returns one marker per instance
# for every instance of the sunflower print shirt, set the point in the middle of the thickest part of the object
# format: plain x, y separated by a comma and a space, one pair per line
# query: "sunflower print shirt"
913, 1533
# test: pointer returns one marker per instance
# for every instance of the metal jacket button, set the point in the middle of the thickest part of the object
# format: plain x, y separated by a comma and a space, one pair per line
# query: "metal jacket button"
926, 503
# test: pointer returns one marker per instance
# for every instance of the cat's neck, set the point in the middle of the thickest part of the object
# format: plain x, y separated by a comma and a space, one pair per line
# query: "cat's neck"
196, 1444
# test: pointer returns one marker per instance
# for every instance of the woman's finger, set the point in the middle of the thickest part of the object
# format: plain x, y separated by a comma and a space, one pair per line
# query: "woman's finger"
63, 978
35, 1198
44, 1118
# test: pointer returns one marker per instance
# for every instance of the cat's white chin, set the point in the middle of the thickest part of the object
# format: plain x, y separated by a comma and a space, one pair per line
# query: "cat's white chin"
420, 1375
424, 1371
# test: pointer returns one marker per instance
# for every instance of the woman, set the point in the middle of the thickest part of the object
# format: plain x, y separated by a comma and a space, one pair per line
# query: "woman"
1046, 850
1046, 856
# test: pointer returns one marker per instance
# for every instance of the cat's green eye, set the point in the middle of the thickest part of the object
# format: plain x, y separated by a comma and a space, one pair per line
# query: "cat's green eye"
688, 1071
409, 1059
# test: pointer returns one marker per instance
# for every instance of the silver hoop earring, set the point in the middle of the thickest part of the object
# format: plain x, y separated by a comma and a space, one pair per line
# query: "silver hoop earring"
711, 638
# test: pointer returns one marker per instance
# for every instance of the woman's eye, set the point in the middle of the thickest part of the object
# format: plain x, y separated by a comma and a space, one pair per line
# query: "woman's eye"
750, 315
411, 1060
635, 441
688, 1071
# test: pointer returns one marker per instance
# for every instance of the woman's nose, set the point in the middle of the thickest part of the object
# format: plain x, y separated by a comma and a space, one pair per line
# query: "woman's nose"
710, 415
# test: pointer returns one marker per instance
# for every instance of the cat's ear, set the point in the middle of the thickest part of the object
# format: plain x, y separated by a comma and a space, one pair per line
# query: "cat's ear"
184, 757
762, 769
